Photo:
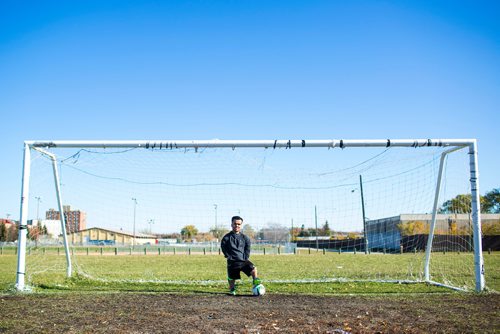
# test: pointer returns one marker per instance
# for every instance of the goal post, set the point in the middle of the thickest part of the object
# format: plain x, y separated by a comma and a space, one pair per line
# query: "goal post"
278, 190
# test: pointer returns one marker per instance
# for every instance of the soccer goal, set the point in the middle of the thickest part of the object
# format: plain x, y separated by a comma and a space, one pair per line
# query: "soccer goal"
398, 210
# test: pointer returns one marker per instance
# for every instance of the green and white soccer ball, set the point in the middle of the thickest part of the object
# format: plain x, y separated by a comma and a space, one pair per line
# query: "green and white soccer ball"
259, 290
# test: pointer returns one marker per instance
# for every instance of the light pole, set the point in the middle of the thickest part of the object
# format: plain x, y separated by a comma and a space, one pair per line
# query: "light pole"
216, 228
135, 206
38, 199
150, 222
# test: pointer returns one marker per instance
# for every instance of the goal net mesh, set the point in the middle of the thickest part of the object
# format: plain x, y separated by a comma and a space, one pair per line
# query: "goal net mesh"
149, 211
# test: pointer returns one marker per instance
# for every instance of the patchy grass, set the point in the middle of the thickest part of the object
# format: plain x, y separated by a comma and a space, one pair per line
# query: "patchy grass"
313, 273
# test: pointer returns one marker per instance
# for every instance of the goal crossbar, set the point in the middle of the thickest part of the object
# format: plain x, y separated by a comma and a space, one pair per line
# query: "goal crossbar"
278, 143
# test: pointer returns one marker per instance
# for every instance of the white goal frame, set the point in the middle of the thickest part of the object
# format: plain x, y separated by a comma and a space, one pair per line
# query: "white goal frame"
454, 144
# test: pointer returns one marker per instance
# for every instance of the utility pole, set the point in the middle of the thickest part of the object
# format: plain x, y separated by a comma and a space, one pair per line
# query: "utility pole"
135, 206
316, 223
216, 227
365, 233
38, 199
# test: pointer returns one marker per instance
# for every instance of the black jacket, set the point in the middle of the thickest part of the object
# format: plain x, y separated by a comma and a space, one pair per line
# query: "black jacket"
236, 247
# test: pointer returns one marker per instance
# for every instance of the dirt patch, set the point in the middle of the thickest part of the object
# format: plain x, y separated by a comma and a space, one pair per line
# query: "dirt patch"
220, 313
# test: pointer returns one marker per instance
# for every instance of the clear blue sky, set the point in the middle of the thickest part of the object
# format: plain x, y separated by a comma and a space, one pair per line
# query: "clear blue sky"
247, 70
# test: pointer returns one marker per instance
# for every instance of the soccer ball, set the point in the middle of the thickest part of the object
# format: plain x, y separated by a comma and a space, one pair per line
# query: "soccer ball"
259, 290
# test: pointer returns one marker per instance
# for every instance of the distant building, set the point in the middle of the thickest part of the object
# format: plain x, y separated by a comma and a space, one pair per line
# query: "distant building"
386, 233
76, 220
53, 227
104, 237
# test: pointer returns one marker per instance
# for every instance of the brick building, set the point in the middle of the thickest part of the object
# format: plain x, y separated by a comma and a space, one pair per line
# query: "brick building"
76, 220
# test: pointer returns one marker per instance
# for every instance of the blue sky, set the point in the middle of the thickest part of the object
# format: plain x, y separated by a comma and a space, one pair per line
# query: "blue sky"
247, 70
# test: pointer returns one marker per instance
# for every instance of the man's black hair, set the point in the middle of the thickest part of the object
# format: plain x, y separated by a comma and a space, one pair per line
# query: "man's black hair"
236, 218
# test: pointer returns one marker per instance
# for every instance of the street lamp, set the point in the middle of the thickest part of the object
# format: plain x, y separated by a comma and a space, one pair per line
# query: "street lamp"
135, 206
38, 198
316, 224
150, 222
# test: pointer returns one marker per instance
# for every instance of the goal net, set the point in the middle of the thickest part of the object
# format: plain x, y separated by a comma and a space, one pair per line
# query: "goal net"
139, 211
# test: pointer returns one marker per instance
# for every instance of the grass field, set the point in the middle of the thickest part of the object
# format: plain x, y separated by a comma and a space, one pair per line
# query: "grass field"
314, 273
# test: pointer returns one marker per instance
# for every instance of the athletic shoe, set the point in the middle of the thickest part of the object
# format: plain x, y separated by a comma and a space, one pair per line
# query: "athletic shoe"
232, 292
256, 281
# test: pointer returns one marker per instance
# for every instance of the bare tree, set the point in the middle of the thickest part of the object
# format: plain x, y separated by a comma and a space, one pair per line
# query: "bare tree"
249, 231
276, 233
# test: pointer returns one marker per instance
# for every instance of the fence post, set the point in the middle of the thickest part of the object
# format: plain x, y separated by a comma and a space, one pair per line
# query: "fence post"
159, 251
101, 250
87, 250
264, 250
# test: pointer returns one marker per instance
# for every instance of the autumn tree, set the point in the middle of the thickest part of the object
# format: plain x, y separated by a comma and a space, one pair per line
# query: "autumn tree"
218, 232
492, 228
413, 227
294, 233
325, 230
490, 203
3, 232
188, 232
303, 232
12, 232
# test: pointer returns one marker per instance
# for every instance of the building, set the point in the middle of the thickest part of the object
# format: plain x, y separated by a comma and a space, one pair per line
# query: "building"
103, 237
53, 227
76, 220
